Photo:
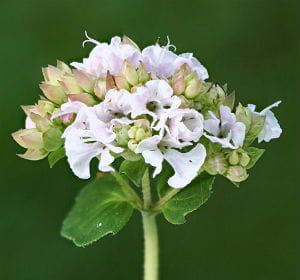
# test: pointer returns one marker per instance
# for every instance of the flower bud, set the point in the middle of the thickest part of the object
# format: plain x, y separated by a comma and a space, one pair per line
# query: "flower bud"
178, 83
186, 103
54, 93
85, 98
110, 81
229, 100
128, 41
70, 84
140, 134
244, 115
85, 80
234, 158
132, 144
32, 154
63, 67
215, 164
237, 174
121, 82
121, 134
144, 76
132, 132
52, 74
67, 119
100, 88
130, 73
45, 107
18, 136
244, 159
193, 88
42, 123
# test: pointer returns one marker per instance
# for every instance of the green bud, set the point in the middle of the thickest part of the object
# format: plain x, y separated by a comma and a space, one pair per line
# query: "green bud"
128, 41
140, 134
132, 144
32, 154
244, 115
132, 132
54, 93
19, 135
85, 80
144, 76
193, 88
85, 98
121, 82
186, 103
244, 159
100, 88
121, 134
70, 84
237, 174
42, 123
45, 107
142, 123
234, 158
177, 82
52, 139
52, 74
215, 164
229, 100
63, 67
130, 73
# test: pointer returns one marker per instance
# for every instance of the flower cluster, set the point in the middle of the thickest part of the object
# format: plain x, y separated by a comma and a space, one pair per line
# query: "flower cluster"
153, 104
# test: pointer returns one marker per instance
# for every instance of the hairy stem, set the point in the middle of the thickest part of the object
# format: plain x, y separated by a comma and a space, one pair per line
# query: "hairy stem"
130, 192
151, 258
164, 199
150, 233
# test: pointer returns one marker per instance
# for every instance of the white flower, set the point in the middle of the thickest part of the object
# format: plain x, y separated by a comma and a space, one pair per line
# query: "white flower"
177, 128
108, 57
185, 165
183, 126
271, 128
89, 137
163, 62
156, 94
227, 131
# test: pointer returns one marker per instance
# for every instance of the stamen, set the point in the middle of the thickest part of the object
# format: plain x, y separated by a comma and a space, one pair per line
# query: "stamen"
89, 39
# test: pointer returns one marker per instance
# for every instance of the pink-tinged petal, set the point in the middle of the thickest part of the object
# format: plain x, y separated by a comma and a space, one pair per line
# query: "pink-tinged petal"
29, 123
185, 165
18, 136
85, 98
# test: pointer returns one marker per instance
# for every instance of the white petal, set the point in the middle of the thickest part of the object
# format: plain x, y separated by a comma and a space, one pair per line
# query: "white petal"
80, 154
227, 119
271, 128
185, 165
212, 126
225, 142
159, 60
154, 158
238, 131
105, 160
148, 144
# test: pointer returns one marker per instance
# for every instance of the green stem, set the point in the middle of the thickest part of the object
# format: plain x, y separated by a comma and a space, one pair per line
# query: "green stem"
164, 199
151, 247
130, 192
150, 232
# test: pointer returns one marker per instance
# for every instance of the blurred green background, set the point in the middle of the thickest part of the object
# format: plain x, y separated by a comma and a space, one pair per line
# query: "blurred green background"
247, 233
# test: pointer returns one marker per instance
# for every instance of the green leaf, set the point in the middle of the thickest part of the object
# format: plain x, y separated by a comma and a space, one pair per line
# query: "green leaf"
52, 139
134, 170
254, 154
188, 199
101, 208
55, 156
